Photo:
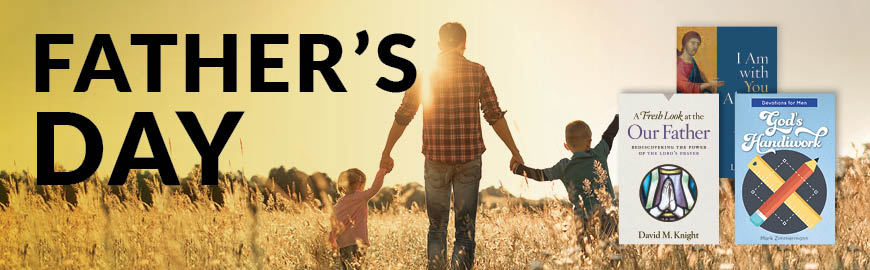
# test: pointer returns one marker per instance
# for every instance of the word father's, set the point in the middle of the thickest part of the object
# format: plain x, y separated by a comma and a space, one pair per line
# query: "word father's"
102, 44
144, 122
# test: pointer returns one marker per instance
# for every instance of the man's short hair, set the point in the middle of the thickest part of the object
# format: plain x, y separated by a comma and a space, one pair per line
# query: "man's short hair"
577, 133
452, 34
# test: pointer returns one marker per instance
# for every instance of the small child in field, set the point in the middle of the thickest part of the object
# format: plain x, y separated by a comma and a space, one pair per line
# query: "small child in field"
573, 171
350, 216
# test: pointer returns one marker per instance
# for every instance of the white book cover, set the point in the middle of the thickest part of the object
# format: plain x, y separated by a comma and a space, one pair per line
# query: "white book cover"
669, 168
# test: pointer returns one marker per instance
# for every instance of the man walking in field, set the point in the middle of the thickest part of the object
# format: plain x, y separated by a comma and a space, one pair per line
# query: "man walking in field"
452, 144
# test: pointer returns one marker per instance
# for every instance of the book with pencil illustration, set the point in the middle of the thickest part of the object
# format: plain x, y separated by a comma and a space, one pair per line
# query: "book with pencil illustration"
784, 188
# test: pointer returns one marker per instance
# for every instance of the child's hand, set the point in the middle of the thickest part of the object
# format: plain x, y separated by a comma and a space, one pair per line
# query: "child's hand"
332, 243
514, 165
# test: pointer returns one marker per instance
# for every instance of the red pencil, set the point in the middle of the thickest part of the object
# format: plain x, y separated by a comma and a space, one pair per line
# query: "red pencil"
787, 188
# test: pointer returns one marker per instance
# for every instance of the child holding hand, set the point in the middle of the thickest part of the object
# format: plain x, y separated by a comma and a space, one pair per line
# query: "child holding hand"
579, 167
350, 216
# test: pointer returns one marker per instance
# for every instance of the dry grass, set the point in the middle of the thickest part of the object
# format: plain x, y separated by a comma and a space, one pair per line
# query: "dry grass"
106, 231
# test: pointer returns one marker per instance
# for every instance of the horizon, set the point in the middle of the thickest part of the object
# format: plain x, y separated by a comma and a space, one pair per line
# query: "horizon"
532, 73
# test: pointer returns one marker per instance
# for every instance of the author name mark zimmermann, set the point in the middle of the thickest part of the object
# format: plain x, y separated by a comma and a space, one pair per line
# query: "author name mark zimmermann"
668, 235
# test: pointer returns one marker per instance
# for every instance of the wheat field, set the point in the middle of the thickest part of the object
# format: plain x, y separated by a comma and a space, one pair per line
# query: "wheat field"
117, 230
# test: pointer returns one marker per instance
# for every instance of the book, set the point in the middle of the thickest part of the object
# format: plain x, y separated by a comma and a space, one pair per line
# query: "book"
669, 178
725, 61
785, 149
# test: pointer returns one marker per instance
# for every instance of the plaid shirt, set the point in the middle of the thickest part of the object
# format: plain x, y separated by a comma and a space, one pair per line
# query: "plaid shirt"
459, 90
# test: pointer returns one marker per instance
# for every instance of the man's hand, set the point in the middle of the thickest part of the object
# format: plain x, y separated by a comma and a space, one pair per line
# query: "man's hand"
395, 132
516, 159
386, 163
501, 129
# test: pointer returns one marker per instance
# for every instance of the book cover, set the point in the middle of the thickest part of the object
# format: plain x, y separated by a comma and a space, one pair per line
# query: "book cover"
784, 189
669, 179
725, 61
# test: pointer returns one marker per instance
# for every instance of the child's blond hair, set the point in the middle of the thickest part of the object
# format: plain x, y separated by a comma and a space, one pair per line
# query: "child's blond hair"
351, 180
577, 133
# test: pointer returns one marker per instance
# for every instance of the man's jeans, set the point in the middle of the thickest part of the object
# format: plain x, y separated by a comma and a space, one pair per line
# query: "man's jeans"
463, 180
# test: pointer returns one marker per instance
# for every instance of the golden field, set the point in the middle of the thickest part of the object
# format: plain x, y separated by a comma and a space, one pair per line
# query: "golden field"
115, 229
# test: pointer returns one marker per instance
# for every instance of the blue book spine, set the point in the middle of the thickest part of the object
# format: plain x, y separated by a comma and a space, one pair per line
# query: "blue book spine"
747, 64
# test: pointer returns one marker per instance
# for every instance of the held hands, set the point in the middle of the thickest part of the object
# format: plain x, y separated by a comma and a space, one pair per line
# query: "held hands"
386, 163
516, 159
382, 172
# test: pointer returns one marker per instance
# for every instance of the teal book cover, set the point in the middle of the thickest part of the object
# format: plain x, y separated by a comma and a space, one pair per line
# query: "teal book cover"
785, 152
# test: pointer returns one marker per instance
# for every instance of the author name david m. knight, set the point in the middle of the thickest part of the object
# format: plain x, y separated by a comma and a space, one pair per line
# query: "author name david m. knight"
690, 235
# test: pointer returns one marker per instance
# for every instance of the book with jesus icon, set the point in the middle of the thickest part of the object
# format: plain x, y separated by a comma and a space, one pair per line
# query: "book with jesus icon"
723, 61
784, 189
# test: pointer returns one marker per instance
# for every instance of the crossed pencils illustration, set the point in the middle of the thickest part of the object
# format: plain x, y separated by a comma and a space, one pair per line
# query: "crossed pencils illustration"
784, 192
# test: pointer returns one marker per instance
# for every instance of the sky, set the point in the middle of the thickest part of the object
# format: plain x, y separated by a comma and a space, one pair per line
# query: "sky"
550, 63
